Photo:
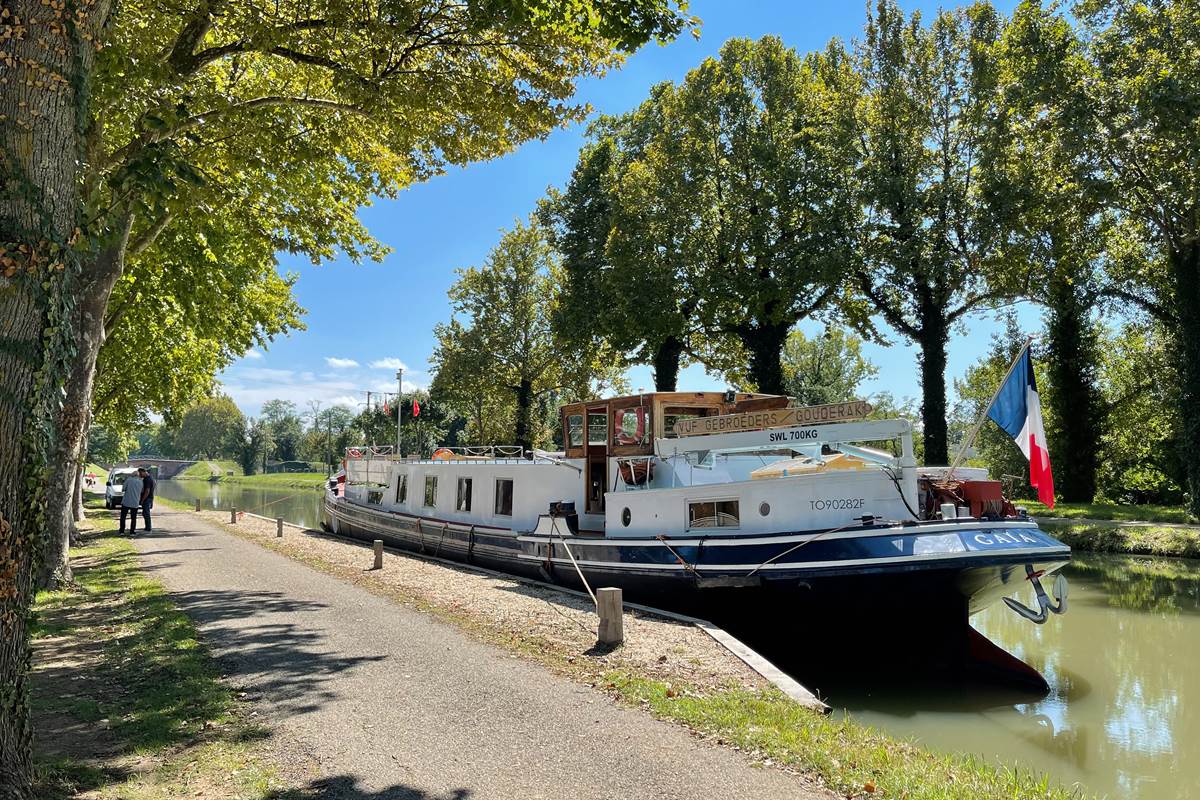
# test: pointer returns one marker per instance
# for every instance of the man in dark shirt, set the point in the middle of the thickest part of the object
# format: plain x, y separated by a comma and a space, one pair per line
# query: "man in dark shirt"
148, 487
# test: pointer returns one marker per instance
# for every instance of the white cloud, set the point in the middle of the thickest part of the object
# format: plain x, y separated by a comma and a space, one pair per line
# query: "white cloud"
341, 363
388, 363
252, 354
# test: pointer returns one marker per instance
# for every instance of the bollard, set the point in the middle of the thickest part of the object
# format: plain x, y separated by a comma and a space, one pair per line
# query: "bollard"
279, 527
378, 554
233, 516
610, 607
197, 503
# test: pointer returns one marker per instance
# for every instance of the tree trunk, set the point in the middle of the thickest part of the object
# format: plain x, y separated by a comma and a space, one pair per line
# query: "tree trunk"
73, 418
765, 343
1074, 399
524, 401
41, 148
1185, 268
935, 333
666, 364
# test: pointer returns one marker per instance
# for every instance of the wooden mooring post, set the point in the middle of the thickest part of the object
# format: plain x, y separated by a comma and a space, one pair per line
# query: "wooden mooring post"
279, 527
197, 503
378, 554
233, 516
611, 608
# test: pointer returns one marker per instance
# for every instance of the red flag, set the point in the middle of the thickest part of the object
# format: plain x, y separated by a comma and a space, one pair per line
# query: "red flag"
416, 408
386, 408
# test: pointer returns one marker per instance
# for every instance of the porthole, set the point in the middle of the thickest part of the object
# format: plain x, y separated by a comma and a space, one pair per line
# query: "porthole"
626, 517
764, 508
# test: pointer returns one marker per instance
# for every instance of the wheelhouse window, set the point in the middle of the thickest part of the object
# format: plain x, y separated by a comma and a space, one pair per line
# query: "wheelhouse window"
462, 500
575, 430
673, 414
402, 490
714, 514
632, 426
430, 491
597, 427
504, 497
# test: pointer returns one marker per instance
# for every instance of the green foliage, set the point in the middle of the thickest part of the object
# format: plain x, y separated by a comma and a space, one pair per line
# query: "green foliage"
286, 428
212, 427
715, 216
508, 356
1140, 444
107, 446
930, 241
827, 368
1124, 90
255, 447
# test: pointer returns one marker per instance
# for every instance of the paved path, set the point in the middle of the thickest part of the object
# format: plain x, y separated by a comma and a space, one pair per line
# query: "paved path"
385, 702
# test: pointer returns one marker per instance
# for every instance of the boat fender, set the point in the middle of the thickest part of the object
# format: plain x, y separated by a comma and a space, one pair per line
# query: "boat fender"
470, 544
442, 454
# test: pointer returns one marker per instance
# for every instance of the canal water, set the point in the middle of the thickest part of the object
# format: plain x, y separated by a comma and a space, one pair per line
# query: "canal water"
1124, 669
296, 505
1123, 666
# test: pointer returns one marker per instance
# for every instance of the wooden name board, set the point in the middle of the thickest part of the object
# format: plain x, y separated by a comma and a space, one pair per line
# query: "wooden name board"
777, 418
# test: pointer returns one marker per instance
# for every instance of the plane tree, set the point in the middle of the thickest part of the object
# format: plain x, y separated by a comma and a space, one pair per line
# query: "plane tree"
744, 193
113, 123
501, 349
930, 240
1125, 89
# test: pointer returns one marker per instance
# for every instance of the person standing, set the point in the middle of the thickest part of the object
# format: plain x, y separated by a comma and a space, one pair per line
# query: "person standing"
131, 501
148, 487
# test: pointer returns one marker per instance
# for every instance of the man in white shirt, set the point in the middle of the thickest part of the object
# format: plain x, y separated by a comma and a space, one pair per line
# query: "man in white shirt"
131, 502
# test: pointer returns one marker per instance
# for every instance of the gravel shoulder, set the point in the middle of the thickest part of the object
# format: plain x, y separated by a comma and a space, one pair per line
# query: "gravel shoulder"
371, 697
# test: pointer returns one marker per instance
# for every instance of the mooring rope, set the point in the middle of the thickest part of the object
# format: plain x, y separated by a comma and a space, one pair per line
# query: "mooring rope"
554, 527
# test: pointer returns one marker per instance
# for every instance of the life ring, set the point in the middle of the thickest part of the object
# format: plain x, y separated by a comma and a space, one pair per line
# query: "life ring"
354, 452
442, 454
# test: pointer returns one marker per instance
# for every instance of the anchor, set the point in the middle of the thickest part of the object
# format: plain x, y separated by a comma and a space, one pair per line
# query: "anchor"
1044, 604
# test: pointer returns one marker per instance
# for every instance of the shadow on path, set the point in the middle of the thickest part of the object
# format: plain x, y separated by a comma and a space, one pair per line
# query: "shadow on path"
345, 787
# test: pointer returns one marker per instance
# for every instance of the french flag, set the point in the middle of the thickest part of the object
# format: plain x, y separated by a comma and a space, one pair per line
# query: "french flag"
1018, 410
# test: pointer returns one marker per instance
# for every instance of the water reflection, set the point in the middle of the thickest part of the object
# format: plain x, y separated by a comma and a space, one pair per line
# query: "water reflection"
296, 505
1122, 666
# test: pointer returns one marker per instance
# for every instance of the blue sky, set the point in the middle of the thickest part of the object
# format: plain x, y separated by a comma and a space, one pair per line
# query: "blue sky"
364, 319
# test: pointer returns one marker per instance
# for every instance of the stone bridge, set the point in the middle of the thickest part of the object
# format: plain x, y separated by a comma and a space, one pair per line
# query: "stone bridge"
167, 467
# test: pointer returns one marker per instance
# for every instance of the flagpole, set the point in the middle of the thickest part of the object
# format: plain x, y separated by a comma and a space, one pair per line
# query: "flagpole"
970, 440
400, 413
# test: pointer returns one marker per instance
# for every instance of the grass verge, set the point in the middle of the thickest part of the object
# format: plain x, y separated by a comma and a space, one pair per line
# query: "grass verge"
1132, 539
855, 760
203, 470
1109, 511
127, 702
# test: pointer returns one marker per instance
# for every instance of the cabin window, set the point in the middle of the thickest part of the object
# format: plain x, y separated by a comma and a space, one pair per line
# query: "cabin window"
575, 430
597, 428
714, 514
375, 497
632, 426
463, 499
430, 491
504, 495
402, 490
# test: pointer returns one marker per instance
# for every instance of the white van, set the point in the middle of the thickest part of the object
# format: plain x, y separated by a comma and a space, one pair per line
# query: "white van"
114, 488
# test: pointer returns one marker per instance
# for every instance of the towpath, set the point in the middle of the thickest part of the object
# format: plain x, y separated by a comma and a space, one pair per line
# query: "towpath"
374, 701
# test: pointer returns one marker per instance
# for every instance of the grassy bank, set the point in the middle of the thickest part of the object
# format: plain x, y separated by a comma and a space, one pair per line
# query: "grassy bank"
127, 702
1110, 511
1129, 539
855, 760
202, 471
